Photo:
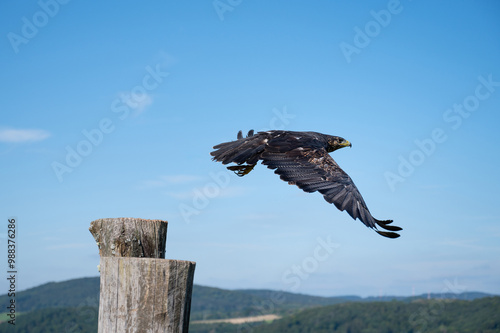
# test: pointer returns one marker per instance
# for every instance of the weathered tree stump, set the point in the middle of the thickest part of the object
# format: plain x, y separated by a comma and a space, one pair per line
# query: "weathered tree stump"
129, 237
143, 294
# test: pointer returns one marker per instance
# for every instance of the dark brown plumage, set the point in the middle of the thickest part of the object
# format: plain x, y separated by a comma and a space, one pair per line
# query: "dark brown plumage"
302, 159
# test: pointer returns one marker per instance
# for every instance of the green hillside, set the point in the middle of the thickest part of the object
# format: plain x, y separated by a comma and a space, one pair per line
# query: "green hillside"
207, 302
71, 293
72, 306
55, 320
430, 316
298, 299
215, 303
478, 316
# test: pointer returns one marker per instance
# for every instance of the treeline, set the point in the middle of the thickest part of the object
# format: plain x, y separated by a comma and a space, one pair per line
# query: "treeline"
55, 320
216, 303
72, 306
71, 293
431, 316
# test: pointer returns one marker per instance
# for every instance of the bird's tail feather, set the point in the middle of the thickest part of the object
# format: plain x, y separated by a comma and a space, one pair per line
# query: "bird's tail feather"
243, 150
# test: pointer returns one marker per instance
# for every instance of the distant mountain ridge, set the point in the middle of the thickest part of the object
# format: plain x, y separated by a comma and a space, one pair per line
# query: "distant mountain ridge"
207, 302
73, 306
70, 293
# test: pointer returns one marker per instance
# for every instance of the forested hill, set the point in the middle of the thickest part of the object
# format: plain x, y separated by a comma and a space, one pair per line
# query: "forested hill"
430, 316
73, 304
207, 303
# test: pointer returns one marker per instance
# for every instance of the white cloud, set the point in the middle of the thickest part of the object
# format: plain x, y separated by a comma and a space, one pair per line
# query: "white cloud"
180, 179
165, 180
228, 192
22, 135
136, 101
463, 243
148, 184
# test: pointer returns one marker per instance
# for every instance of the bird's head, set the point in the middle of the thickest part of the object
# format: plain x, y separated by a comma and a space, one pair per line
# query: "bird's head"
336, 142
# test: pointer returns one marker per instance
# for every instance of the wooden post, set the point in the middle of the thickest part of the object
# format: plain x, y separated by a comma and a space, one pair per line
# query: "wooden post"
140, 290
129, 237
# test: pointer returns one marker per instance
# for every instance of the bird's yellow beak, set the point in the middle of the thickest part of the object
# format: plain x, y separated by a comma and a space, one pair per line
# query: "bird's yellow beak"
346, 144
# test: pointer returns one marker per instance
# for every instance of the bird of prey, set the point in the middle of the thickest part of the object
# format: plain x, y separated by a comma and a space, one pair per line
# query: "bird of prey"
302, 159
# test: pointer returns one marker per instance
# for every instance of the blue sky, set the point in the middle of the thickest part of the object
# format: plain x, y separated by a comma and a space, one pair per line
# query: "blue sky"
112, 109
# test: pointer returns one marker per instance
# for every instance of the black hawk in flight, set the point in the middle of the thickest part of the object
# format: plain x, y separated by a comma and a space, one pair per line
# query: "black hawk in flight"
302, 159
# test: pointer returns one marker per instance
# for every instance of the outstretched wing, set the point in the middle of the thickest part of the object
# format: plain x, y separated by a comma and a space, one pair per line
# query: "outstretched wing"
313, 169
